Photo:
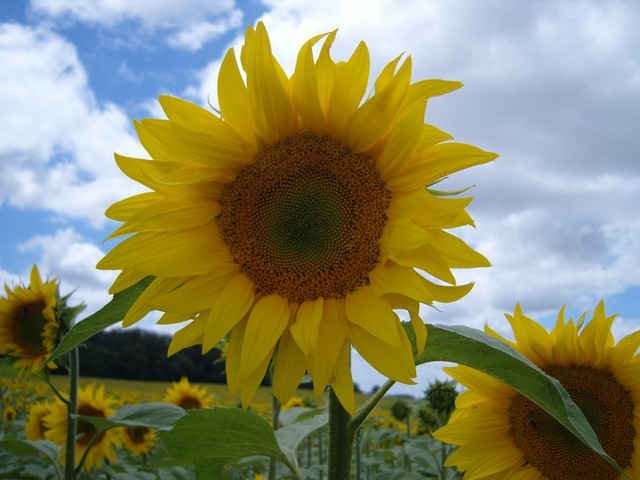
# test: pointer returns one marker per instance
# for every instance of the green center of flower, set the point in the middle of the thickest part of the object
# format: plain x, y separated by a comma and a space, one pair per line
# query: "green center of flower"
28, 327
305, 219
554, 451
85, 429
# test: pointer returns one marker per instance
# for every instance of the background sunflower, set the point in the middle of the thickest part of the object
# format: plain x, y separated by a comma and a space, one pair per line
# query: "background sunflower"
188, 396
503, 435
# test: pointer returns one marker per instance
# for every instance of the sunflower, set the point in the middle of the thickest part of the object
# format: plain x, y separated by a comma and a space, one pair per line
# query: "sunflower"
293, 402
187, 396
503, 435
138, 440
28, 323
9, 414
92, 402
294, 221
35, 427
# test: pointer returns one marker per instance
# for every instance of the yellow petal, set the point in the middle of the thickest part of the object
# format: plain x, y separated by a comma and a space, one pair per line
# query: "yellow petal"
342, 384
377, 116
387, 74
145, 302
289, 368
333, 333
186, 337
233, 352
188, 114
403, 141
131, 206
306, 327
531, 338
437, 162
402, 234
455, 252
426, 258
35, 282
425, 89
230, 306
177, 216
350, 83
326, 72
251, 383
304, 87
271, 107
234, 99
197, 251
196, 294
171, 318
373, 314
125, 279
393, 361
267, 320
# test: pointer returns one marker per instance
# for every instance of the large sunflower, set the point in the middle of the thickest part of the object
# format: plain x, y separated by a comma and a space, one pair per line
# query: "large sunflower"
294, 221
35, 428
187, 396
28, 323
503, 435
92, 402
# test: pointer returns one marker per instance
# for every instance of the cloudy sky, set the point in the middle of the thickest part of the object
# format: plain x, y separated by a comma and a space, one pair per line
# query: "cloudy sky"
553, 87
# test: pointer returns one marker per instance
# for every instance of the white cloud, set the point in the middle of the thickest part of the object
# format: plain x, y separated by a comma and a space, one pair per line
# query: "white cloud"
69, 257
57, 140
187, 24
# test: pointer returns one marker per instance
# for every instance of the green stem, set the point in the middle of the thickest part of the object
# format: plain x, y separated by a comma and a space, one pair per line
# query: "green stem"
358, 460
54, 389
364, 411
275, 421
72, 410
340, 440
90, 445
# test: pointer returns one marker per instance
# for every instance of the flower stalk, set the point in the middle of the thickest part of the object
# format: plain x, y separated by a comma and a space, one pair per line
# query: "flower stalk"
340, 440
72, 411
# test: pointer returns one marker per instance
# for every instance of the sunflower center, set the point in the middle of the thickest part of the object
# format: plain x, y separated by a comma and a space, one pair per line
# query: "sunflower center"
305, 219
188, 403
28, 327
555, 452
137, 434
86, 430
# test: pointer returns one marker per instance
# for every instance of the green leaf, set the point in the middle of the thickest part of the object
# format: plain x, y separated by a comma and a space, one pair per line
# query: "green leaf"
471, 347
290, 437
26, 448
220, 435
159, 416
111, 313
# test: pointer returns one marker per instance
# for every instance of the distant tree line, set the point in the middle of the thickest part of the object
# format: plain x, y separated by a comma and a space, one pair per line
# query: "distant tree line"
142, 355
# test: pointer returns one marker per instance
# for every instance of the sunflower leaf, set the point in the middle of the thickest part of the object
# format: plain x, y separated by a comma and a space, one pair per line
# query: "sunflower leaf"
159, 416
111, 313
471, 347
220, 436
24, 448
290, 437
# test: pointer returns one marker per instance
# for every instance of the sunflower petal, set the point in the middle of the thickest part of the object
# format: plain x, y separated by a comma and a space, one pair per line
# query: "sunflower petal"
342, 384
306, 327
289, 368
373, 314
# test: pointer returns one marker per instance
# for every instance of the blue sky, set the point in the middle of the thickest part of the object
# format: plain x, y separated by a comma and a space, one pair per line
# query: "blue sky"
553, 87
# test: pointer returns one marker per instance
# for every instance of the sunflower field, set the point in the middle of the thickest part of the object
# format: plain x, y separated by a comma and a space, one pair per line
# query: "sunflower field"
298, 223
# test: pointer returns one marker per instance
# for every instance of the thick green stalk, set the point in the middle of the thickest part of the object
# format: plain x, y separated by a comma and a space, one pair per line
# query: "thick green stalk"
275, 423
340, 440
72, 410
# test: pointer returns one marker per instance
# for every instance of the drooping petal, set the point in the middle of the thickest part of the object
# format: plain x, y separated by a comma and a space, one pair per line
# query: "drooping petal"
342, 384
289, 368
231, 305
267, 321
306, 328
374, 315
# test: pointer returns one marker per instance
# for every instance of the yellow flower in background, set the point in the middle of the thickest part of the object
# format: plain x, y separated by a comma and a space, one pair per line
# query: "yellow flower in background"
503, 435
35, 427
293, 402
93, 402
295, 220
28, 323
138, 440
9, 414
188, 396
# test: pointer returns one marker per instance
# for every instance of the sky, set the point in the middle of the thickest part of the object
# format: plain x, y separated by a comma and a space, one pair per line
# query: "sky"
552, 86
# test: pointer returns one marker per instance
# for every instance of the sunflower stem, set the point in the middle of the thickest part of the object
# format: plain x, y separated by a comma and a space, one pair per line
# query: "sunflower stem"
72, 411
54, 389
275, 421
364, 411
89, 446
340, 440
